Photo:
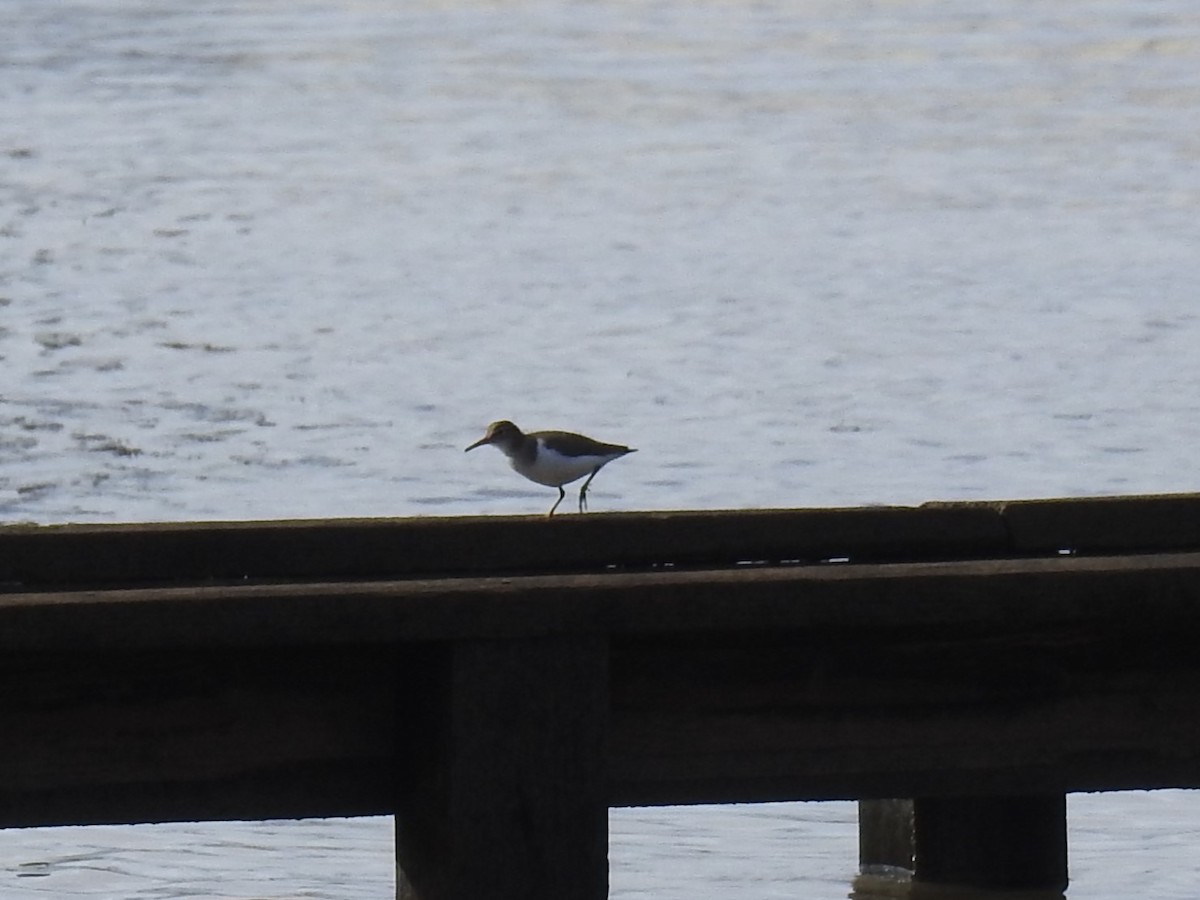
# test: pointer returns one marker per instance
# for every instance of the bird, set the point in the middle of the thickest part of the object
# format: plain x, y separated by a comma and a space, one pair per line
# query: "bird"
552, 458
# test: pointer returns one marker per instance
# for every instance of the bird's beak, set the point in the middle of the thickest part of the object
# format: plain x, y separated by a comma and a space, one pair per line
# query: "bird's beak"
479, 443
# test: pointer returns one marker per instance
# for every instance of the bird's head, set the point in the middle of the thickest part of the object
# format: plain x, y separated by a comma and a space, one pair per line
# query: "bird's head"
503, 433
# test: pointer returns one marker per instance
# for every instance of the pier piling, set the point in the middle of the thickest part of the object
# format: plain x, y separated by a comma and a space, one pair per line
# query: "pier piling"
501, 782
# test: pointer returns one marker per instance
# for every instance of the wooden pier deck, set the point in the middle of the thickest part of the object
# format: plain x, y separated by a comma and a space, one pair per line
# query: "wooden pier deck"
497, 684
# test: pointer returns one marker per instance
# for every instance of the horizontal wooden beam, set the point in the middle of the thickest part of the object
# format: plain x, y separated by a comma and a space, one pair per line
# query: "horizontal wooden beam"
121, 737
36, 557
1102, 524
1131, 593
1001, 677
950, 710
105, 555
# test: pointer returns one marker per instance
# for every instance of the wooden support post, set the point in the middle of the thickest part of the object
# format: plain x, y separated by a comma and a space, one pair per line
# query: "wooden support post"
1001, 843
885, 834
502, 775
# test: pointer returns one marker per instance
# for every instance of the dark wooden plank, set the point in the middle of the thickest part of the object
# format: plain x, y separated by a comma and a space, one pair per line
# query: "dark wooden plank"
32, 556
176, 553
1104, 524
92, 738
1134, 591
993, 843
1003, 677
506, 795
843, 710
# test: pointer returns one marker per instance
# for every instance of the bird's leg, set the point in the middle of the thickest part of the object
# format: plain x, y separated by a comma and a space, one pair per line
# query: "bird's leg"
561, 494
583, 490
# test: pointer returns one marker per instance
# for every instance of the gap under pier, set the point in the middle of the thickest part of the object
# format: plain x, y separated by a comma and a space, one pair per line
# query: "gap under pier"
497, 684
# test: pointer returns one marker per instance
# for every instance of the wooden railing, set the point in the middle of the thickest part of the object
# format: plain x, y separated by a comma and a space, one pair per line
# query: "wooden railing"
498, 683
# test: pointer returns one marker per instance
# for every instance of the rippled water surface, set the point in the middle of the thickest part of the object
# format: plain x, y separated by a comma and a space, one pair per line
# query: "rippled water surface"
263, 260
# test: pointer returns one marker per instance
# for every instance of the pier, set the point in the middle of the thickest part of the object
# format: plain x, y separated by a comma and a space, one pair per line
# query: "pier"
498, 683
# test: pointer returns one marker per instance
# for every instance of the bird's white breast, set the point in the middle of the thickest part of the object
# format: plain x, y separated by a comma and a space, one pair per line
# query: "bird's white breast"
554, 469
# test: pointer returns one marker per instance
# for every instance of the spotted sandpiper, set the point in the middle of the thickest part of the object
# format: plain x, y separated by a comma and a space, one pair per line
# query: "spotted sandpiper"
552, 458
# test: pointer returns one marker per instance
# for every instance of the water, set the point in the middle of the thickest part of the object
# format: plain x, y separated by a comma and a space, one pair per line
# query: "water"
265, 260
